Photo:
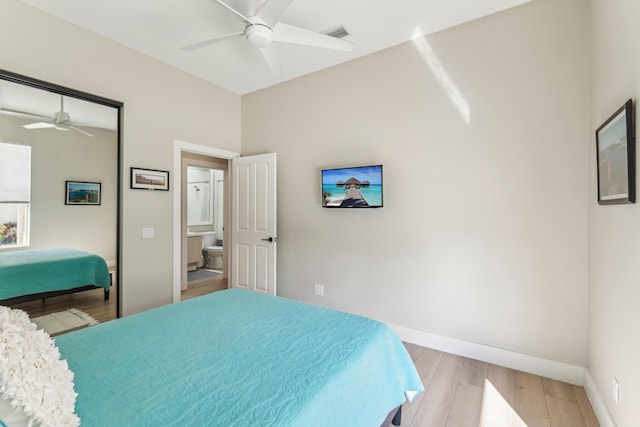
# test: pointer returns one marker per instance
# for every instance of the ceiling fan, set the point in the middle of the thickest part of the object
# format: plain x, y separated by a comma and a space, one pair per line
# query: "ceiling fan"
264, 27
60, 120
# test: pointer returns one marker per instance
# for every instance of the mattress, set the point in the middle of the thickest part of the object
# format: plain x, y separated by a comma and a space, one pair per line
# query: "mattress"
44, 270
238, 358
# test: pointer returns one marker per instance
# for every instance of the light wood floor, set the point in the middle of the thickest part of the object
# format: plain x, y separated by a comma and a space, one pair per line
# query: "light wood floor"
455, 386
204, 286
91, 302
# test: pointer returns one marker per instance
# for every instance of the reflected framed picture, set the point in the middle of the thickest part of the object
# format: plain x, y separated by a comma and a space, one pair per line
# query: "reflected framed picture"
149, 179
615, 147
82, 193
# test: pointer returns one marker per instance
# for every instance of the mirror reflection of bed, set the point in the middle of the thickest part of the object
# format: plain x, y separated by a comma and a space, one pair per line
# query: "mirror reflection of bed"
73, 148
91, 302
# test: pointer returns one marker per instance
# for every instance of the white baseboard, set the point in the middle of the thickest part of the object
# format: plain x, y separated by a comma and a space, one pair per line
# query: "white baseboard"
572, 374
597, 403
522, 362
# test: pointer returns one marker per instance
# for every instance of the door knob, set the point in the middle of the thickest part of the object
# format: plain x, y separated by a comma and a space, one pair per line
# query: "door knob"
270, 239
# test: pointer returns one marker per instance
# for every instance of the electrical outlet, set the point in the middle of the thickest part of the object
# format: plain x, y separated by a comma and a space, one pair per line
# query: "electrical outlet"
148, 233
615, 390
319, 290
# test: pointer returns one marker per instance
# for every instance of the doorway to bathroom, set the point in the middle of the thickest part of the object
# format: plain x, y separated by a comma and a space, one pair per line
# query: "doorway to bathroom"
204, 201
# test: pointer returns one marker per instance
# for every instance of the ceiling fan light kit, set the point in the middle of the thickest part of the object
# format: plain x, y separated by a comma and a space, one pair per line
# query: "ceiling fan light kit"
259, 35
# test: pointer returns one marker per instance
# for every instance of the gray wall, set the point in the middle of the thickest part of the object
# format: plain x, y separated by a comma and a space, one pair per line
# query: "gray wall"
482, 131
57, 157
614, 291
161, 104
486, 222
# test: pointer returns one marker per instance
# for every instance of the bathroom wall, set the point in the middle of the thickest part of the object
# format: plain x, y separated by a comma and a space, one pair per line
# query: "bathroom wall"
218, 203
200, 190
205, 185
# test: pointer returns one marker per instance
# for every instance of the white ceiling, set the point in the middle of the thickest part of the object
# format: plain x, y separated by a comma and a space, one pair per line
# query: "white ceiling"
159, 28
27, 103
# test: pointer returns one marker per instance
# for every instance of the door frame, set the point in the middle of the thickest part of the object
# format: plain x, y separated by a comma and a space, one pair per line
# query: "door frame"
178, 148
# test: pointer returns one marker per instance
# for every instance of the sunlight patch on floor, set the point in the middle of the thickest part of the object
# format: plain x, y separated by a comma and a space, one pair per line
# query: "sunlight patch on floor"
441, 75
496, 411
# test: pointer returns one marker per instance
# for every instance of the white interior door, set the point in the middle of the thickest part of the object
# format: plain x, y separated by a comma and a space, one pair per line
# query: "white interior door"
253, 234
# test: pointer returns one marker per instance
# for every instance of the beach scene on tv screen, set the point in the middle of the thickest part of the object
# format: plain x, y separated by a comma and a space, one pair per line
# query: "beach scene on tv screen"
358, 187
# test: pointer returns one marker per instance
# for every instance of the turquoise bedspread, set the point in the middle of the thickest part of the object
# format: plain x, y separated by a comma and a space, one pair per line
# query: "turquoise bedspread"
238, 358
45, 270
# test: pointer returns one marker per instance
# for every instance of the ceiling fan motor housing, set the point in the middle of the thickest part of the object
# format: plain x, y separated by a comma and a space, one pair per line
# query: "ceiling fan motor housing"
259, 35
61, 117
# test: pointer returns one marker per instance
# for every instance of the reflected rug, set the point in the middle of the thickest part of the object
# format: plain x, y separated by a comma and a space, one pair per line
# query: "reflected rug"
64, 321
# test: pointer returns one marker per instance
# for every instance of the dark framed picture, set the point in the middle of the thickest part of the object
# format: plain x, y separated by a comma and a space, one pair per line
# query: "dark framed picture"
149, 179
615, 147
82, 193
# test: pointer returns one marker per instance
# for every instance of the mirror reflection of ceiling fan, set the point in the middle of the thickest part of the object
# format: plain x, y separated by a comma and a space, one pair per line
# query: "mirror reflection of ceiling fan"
263, 27
61, 120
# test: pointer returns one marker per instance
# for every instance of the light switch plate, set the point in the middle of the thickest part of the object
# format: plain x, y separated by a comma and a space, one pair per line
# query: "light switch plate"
147, 233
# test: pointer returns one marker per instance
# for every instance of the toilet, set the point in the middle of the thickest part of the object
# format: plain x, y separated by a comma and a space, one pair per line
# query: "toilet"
212, 252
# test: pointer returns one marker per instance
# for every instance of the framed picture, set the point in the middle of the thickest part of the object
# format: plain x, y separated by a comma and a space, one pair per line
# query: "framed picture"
149, 179
352, 187
82, 193
615, 146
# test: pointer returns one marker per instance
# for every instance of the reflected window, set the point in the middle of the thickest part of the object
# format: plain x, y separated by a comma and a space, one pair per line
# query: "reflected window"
15, 194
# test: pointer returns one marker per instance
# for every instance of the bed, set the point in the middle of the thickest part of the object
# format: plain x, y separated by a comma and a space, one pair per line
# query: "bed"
42, 273
239, 358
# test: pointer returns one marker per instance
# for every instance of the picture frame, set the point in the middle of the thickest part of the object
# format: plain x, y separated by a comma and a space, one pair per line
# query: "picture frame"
615, 150
83, 193
352, 187
149, 179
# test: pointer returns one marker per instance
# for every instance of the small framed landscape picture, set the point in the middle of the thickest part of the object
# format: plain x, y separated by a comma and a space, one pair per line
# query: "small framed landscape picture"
82, 193
615, 147
149, 179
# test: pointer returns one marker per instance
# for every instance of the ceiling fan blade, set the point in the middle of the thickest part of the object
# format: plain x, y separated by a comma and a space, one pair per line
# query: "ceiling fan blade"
289, 34
209, 42
272, 60
272, 10
38, 125
80, 130
244, 18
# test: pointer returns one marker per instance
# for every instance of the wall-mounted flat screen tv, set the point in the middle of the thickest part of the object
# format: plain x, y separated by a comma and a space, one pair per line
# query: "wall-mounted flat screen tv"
355, 187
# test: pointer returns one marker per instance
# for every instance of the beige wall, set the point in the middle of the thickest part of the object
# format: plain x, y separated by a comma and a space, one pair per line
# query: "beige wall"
483, 236
57, 157
614, 278
160, 104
